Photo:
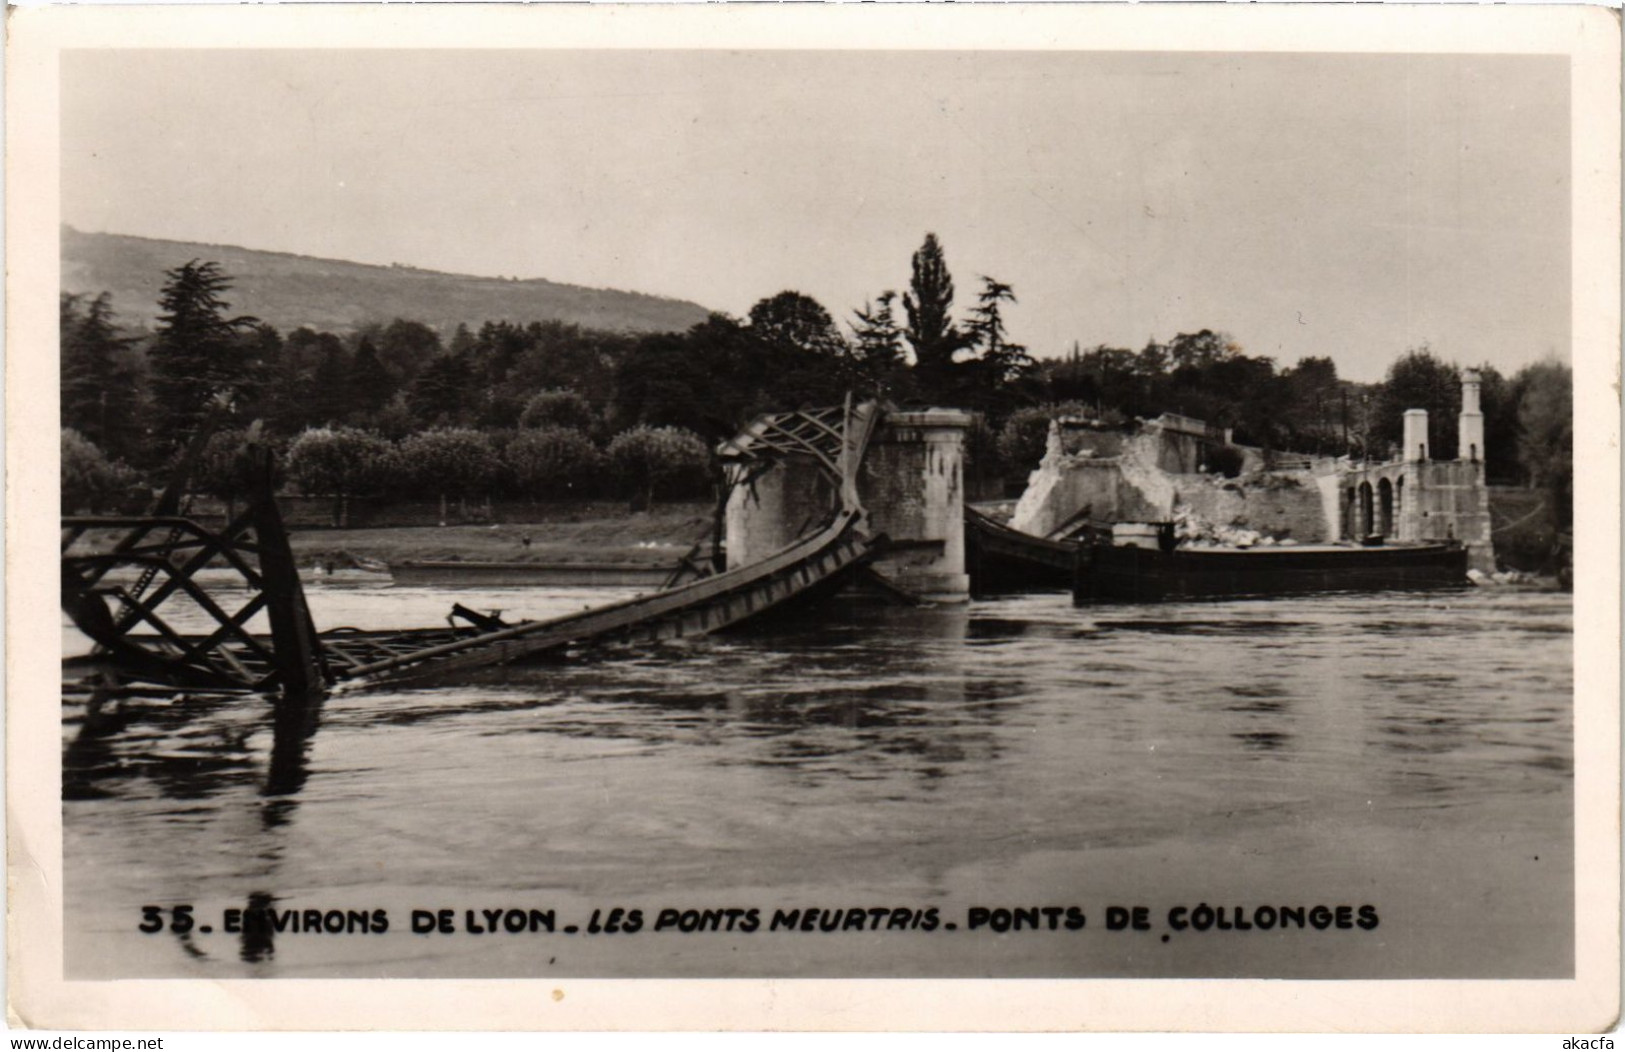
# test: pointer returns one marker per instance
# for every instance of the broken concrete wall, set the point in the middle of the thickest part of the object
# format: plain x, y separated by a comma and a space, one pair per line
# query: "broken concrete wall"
1136, 485
1281, 505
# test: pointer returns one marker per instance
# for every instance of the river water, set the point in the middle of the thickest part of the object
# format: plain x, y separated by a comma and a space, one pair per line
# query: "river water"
954, 770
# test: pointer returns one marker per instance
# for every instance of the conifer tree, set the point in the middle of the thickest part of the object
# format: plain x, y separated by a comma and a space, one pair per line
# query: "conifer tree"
196, 354
928, 304
878, 345
96, 384
1004, 361
370, 382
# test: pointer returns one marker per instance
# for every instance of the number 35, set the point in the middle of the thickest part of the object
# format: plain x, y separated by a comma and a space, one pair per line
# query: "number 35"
152, 919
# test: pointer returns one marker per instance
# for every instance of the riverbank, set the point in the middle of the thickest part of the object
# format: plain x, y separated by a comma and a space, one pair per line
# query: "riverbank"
659, 536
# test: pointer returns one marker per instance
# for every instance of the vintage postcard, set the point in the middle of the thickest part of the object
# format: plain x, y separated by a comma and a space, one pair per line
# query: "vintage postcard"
554, 508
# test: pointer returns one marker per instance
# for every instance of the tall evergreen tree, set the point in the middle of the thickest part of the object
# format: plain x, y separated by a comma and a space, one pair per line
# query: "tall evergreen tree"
878, 347
1005, 362
928, 303
196, 354
370, 382
96, 382
443, 391
333, 395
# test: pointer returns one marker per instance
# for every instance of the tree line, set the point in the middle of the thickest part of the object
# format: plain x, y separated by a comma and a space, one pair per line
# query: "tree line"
549, 408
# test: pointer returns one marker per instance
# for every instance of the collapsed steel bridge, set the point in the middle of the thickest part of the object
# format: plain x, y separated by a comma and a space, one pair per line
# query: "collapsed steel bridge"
165, 553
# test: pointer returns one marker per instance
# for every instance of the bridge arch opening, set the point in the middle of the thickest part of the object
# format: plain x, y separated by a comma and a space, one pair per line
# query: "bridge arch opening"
1385, 508
1366, 510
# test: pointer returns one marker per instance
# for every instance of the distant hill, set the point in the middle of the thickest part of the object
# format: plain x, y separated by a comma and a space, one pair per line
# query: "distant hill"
334, 295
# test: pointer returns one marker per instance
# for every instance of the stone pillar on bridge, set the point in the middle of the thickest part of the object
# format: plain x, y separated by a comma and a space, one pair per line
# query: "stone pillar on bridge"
1470, 425
912, 484
1416, 436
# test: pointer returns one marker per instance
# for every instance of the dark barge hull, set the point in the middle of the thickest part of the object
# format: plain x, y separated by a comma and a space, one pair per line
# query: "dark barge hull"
1000, 559
1126, 574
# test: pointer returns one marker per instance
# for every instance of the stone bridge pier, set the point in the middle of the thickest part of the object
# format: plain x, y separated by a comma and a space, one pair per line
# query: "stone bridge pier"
911, 482
1417, 500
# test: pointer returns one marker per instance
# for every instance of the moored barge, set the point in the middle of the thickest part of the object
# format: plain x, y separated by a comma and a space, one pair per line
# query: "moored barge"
1001, 559
1155, 573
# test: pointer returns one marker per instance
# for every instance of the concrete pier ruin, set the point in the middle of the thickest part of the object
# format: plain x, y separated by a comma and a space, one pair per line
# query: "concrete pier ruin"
911, 483
1160, 470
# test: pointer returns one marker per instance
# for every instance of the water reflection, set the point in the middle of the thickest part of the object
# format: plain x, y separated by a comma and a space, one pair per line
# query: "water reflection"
257, 942
866, 751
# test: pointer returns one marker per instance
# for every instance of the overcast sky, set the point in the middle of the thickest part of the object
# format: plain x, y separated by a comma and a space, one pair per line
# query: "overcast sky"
1350, 206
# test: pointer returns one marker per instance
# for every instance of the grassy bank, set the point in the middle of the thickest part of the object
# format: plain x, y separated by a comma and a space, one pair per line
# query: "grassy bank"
659, 536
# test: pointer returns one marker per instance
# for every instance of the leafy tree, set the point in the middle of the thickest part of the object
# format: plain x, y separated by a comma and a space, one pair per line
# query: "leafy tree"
497, 407
1026, 432
447, 461
793, 321
1418, 380
394, 421
1546, 432
672, 380
1498, 399
928, 304
555, 354
558, 408
1200, 350
196, 353
646, 457
552, 461
89, 478
224, 468
406, 347
1117, 378
338, 461
1313, 406
807, 359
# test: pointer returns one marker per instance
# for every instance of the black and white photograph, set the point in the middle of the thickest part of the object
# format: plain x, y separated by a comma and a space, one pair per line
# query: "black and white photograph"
798, 510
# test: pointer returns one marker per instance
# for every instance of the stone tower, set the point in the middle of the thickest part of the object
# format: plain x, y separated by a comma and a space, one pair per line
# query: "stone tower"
1416, 436
1470, 441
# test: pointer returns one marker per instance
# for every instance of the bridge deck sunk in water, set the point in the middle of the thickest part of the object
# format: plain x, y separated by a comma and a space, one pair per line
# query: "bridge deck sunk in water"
298, 659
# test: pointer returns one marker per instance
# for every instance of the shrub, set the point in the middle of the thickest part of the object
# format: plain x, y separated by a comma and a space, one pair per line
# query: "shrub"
337, 460
1022, 440
455, 461
552, 461
558, 408
88, 477
645, 457
225, 468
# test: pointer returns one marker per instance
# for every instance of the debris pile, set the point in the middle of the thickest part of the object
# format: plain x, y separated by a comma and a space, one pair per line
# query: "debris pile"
1193, 531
